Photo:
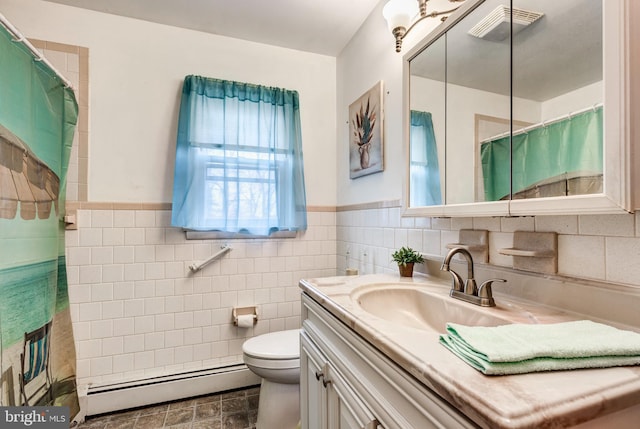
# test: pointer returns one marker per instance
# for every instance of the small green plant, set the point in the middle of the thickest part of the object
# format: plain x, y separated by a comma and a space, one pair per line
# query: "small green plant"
406, 255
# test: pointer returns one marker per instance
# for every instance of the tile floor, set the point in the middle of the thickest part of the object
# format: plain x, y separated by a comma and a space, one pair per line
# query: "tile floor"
228, 410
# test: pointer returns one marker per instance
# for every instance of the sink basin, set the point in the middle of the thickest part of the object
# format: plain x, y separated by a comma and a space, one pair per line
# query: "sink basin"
419, 307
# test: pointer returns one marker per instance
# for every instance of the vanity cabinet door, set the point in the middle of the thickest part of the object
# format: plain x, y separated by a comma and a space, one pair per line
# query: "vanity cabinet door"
346, 411
313, 395
328, 402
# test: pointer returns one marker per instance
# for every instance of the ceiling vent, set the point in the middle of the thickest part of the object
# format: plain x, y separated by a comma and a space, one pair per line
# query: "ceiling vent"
495, 26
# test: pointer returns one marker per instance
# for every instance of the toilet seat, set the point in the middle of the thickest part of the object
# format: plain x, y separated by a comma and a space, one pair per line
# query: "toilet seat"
276, 345
271, 363
276, 350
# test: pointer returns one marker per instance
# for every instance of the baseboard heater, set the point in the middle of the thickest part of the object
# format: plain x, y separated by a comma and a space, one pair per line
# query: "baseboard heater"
107, 398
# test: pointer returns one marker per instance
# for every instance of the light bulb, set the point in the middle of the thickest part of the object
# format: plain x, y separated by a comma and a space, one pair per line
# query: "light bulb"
399, 13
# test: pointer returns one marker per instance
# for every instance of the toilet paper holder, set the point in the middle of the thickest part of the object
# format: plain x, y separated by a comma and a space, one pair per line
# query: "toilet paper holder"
244, 311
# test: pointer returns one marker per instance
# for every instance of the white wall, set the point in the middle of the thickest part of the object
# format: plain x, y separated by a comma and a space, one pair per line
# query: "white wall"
369, 57
572, 101
136, 73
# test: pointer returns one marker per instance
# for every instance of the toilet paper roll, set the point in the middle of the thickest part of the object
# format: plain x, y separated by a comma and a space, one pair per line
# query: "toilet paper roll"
245, 321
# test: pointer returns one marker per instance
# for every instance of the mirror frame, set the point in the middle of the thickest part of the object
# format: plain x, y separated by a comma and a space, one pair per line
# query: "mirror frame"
617, 195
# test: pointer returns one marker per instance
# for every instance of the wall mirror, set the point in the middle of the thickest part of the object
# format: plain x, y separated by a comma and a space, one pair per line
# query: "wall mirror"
505, 110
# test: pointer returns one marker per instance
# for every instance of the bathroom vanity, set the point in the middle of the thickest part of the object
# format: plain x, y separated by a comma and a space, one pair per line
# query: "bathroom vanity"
370, 358
347, 383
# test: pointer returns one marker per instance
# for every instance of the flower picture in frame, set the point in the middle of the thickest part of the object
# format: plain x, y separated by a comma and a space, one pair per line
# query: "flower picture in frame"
366, 133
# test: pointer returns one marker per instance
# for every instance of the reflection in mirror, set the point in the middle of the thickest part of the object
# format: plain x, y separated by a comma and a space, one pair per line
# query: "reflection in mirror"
557, 90
478, 85
427, 127
552, 103
493, 158
475, 82
424, 161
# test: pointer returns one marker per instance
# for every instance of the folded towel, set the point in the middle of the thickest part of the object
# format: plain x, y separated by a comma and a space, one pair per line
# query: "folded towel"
521, 348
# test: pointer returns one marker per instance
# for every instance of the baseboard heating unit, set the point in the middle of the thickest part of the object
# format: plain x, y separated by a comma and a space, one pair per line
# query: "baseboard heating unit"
107, 398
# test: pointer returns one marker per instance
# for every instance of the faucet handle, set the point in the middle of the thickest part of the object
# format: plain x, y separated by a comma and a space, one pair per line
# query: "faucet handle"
484, 291
457, 281
471, 287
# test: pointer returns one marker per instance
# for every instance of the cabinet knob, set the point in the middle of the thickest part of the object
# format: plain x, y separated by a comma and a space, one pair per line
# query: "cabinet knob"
373, 424
320, 375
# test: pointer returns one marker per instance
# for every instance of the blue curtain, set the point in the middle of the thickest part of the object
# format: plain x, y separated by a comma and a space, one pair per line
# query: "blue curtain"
425, 173
239, 165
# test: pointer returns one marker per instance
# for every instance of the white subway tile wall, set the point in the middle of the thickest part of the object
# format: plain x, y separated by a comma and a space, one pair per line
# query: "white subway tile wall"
591, 247
138, 311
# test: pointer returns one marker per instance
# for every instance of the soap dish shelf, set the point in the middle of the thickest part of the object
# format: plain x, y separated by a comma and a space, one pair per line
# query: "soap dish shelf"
475, 241
512, 251
534, 251
469, 247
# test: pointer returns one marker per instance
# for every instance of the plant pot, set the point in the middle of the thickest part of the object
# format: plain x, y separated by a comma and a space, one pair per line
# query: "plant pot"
406, 270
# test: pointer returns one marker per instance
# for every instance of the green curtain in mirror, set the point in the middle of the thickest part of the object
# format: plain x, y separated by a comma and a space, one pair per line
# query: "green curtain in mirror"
550, 153
425, 173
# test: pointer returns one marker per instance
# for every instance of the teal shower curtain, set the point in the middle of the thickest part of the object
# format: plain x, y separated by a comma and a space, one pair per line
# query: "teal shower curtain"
38, 115
567, 148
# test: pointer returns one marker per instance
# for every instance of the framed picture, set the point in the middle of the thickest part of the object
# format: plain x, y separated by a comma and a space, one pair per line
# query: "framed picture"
366, 134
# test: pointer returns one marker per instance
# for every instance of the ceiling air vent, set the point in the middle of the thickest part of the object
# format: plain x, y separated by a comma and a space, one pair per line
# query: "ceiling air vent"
495, 26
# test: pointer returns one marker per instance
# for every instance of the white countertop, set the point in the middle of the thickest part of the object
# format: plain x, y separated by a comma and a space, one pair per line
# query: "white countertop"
536, 400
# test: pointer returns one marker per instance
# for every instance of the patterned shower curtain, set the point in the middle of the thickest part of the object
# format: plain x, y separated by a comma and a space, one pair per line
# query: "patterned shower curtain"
38, 115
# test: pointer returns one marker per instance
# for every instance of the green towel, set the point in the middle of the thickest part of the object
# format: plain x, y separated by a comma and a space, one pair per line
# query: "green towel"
522, 348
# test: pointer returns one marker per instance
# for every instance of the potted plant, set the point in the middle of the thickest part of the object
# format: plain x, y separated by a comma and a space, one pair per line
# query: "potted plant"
406, 257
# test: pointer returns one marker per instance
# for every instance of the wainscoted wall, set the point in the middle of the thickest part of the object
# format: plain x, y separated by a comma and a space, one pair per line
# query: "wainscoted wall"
590, 247
137, 310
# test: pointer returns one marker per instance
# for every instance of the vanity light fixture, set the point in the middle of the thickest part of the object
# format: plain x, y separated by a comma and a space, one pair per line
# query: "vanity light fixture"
403, 15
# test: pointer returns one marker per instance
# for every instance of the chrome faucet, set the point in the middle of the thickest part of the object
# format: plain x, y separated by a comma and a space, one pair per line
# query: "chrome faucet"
468, 292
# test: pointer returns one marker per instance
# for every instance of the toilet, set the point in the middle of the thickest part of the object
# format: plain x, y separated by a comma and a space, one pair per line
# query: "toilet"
275, 357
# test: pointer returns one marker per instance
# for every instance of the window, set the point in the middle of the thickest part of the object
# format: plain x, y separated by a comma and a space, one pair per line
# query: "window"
249, 185
238, 159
